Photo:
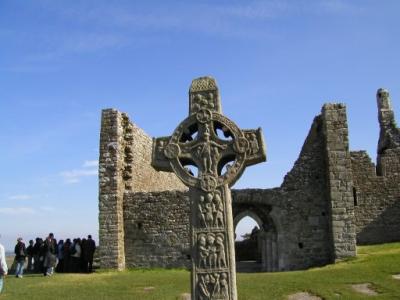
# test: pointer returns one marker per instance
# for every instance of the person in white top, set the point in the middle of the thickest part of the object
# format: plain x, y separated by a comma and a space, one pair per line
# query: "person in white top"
3, 266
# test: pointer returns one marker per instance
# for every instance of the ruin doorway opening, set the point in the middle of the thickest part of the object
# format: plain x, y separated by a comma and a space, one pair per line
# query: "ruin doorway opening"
256, 247
247, 246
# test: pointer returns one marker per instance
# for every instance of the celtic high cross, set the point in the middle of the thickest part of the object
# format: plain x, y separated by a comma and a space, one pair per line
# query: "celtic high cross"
220, 151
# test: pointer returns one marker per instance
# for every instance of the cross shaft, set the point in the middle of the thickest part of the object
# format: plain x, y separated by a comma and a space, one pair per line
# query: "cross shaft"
213, 145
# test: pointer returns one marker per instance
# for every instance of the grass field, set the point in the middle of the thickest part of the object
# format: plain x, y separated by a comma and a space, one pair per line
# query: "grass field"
374, 264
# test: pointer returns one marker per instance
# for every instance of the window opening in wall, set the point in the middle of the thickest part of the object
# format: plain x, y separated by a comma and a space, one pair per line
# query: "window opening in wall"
301, 246
139, 225
355, 196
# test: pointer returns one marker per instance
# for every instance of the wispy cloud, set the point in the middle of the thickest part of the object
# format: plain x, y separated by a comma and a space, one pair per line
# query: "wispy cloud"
47, 208
74, 176
89, 168
25, 210
99, 27
90, 163
17, 211
20, 197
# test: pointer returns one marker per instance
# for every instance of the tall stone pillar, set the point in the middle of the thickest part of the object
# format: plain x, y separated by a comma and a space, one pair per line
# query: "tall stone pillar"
340, 181
111, 191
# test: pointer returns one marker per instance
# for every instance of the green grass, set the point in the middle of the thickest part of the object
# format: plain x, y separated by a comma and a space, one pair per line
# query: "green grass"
374, 264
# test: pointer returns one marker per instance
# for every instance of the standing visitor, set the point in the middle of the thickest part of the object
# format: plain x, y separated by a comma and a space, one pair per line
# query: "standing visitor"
42, 254
36, 256
20, 254
60, 256
89, 252
76, 252
50, 258
3, 266
30, 252
66, 254
83, 264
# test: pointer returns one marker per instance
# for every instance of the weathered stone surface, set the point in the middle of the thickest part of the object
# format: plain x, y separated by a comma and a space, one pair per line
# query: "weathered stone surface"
305, 222
340, 183
124, 152
377, 189
196, 142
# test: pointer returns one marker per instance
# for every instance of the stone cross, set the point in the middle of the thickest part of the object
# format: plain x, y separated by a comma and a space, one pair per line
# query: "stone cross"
220, 151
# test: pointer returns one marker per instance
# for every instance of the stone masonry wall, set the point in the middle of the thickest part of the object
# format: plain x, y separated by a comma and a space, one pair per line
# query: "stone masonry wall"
144, 219
124, 166
376, 199
156, 224
377, 189
111, 190
157, 229
339, 174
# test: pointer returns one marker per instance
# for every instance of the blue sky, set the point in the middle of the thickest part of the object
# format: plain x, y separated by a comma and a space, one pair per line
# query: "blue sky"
276, 63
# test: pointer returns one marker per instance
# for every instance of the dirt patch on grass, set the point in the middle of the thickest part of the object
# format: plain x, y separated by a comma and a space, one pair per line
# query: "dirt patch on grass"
364, 288
303, 296
396, 276
184, 296
149, 288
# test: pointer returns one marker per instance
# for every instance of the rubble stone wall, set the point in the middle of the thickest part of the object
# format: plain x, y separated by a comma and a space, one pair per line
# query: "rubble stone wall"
124, 166
377, 188
331, 199
340, 187
157, 230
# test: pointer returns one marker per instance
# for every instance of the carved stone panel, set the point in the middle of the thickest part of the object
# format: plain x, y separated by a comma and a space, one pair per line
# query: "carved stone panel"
219, 161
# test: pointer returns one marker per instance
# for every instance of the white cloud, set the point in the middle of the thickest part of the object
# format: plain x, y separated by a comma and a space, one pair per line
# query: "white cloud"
20, 197
47, 208
17, 210
89, 168
74, 176
90, 163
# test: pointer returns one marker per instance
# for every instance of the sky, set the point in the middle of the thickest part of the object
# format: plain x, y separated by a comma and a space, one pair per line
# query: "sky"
276, 64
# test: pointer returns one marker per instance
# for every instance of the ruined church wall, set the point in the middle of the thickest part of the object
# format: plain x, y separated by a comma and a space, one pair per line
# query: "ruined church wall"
111, 190
124, 166
149, 218
156, 224
340, 180
301, 207
377, 189
157, 229
377, 198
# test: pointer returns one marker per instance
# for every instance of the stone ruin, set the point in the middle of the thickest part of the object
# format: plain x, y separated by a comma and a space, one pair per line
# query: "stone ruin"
331, 200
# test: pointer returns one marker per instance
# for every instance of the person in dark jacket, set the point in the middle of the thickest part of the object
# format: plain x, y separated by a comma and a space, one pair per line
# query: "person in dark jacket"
36, 256
20, 254
30, 253
50, 258
60, 256
75, 258
67, 255
90, 248
42, 255
83, 264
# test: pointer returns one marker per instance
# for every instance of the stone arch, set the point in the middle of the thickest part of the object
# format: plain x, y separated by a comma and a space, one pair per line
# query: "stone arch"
267, 237
247, 213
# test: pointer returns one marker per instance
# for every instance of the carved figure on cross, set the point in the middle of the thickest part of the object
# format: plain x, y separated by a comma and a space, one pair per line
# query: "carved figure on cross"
195, 142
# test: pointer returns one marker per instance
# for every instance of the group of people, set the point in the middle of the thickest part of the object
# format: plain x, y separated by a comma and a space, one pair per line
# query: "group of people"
47, 256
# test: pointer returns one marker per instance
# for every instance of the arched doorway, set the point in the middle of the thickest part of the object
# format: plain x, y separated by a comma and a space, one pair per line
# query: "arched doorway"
255, 242
247, 247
